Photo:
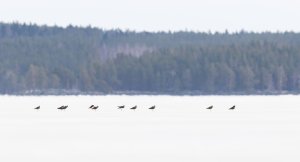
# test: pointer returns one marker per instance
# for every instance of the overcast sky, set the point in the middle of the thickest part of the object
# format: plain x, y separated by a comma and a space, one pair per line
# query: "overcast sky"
154, 15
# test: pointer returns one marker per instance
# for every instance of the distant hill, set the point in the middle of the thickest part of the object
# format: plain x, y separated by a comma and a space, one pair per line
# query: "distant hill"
90, 60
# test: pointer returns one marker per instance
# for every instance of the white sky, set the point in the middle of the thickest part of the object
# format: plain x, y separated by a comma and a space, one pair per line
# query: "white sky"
154, 15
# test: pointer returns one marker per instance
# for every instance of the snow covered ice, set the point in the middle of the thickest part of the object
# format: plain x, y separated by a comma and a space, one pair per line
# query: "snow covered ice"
260, 129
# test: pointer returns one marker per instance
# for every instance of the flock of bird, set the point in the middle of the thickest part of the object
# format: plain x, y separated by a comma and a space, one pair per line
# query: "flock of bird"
231, 108
96, 107
123, 106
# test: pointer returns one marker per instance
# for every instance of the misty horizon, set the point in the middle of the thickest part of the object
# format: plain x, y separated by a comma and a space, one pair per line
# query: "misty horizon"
190, 15
225, 31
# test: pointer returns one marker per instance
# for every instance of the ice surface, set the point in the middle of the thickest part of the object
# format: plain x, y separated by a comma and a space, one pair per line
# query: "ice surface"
181, 129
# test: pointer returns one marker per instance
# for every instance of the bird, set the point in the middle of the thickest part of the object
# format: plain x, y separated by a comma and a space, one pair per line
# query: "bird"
152, 107
91, 106
210, 107
37, 108
95, 107
232, 108
121, 107
62, 107
134, 107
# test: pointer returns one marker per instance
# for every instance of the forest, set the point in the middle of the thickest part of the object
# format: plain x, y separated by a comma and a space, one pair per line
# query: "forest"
45, 59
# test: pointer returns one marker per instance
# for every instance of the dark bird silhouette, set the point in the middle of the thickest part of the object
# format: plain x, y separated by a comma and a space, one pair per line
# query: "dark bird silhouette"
232, 108
210, 107
95, 107
134, 107
37, 108
121, 107
91, 106
62, 107
152, 107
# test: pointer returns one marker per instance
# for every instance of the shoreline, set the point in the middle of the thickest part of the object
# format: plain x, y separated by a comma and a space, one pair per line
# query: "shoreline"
141, 93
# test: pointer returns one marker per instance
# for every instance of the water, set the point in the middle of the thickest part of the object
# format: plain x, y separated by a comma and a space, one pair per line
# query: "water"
262, 128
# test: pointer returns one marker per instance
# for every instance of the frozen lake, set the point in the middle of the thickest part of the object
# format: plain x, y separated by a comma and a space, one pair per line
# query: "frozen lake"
181, 129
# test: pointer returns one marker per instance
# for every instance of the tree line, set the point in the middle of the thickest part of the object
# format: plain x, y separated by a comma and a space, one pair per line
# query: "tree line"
90, 59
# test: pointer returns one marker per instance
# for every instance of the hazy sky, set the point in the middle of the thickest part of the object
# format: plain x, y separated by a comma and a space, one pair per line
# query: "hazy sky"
153, 15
